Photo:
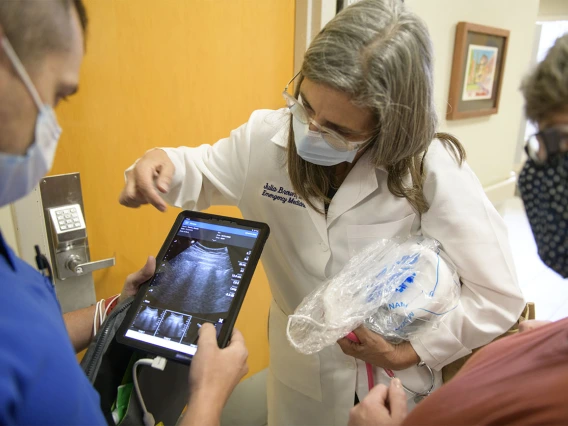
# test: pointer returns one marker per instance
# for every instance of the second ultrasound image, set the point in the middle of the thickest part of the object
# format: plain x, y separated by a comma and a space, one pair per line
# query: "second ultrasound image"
173, 326
148, 319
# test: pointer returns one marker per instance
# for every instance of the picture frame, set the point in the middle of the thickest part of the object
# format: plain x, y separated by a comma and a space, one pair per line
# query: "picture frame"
478, 66
342, 4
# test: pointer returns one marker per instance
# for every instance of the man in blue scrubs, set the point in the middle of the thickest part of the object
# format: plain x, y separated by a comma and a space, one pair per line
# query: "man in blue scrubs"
41, 50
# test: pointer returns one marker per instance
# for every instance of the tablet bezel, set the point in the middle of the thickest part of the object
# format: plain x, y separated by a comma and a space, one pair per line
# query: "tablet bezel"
240, 294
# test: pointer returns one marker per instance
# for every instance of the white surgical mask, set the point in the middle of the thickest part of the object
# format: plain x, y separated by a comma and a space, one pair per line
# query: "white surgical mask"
313, 148
19, 174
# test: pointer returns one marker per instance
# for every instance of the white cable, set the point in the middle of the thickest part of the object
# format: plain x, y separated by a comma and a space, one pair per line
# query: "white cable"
100, 309
95, 321
110, 304
100, 314
158, 363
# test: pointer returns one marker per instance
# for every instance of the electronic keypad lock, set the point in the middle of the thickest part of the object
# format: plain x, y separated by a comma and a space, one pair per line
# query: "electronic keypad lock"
69, 235
68, 224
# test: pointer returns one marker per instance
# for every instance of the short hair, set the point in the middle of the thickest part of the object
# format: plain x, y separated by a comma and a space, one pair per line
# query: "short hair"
546, 88
35, 28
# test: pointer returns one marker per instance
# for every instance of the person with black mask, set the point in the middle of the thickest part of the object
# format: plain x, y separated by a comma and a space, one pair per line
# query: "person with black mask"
522, 379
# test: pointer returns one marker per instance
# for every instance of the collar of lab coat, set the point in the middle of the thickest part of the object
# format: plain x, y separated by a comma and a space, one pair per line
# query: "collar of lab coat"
281, 136
359, 184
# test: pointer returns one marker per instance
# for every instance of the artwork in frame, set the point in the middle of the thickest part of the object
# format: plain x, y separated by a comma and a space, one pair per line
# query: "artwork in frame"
477, 71
342, 4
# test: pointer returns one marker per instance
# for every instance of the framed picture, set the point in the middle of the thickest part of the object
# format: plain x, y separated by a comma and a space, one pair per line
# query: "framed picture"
477, 71
342, 4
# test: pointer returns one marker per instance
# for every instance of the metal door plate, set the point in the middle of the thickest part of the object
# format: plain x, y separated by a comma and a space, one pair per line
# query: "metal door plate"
61, 190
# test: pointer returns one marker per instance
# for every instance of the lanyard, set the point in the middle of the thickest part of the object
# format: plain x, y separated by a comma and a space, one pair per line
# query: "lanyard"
418, 396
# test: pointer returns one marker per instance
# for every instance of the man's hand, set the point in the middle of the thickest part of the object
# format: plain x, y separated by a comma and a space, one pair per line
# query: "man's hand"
213, 375
135, 280
79, 323
532, 324
377, 351
383, 406
152, 173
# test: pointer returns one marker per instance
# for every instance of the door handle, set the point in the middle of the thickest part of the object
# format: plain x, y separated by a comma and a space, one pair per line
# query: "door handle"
74, 264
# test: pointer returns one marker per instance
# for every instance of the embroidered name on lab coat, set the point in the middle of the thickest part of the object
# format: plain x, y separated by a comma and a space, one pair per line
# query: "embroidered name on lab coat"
282, 195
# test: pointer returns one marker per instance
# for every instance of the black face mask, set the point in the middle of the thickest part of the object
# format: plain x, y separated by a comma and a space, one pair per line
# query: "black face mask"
544, 189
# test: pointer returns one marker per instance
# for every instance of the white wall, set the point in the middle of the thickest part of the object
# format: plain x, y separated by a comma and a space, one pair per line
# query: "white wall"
311, 17
7, 227
490, 141
552, 10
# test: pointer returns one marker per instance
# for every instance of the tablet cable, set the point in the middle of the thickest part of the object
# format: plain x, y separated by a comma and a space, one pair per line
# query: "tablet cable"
159, 363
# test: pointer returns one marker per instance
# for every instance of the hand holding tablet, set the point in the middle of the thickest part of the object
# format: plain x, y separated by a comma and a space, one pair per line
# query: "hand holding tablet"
203, 272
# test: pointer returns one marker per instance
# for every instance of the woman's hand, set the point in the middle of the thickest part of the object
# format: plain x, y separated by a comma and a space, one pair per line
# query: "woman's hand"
152, 173
377, 351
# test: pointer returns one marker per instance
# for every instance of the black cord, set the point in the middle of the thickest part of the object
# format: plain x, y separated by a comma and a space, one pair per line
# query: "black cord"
43, 264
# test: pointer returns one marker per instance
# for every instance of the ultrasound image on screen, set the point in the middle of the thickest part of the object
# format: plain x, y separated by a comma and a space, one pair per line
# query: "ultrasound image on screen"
202, 269
147, 319
197, 280
195, 283
173, 326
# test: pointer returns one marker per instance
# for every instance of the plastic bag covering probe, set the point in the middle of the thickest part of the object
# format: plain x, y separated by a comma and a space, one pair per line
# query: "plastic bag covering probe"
396, 288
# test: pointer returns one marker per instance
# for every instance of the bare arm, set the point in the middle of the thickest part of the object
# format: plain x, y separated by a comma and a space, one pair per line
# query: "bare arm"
79, 326
213, 375
196, 178
202, 411
79, 323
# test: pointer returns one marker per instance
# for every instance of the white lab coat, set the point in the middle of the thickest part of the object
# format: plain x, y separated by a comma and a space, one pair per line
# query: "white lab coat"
248, 170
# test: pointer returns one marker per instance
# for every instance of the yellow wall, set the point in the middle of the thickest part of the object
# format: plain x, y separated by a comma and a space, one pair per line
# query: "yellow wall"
168, 73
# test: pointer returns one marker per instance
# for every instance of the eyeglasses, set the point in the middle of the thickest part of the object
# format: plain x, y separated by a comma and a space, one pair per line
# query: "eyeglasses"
547, 143
333, 139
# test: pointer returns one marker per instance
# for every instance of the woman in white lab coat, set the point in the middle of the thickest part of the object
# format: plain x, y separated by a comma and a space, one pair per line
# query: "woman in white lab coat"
353, 158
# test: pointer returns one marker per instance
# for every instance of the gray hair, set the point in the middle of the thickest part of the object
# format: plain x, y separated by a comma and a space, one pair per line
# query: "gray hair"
381, 55
546, 88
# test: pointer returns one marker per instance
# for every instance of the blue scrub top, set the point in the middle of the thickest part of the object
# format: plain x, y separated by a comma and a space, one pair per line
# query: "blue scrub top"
41, 382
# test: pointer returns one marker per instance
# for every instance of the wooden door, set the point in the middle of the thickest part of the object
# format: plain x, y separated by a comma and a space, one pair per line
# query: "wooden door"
168, 73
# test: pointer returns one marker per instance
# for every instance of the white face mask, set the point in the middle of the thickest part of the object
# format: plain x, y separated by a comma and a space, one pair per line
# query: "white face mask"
19, 174
313, 148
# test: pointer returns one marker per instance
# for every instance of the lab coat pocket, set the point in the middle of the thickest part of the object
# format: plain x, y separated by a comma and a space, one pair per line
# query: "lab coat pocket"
297, 371
360, 236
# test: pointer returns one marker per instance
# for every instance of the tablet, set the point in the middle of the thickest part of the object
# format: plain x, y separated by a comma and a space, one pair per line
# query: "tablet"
202, 274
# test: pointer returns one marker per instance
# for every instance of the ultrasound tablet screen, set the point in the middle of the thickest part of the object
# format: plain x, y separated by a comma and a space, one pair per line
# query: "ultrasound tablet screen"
195, 283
